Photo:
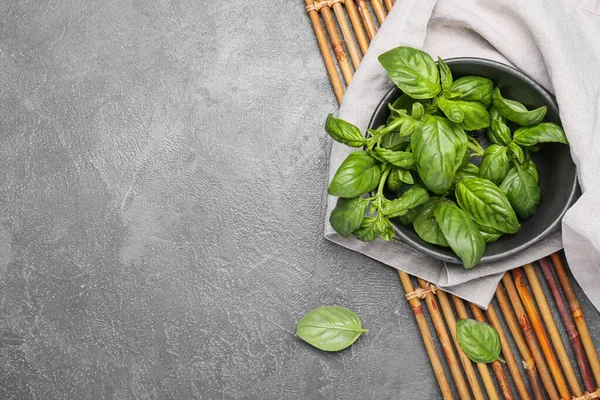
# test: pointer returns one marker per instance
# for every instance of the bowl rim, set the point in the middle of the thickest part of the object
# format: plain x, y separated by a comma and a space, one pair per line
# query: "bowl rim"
549, 230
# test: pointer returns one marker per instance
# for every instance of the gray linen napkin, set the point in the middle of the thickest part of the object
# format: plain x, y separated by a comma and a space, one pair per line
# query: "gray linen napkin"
556, 43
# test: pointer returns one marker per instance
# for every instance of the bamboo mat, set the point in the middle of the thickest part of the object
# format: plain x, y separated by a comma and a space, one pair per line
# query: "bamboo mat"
539, 364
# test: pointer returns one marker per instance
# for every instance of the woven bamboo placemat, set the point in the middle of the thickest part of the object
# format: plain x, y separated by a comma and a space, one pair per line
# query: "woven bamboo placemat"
541, 367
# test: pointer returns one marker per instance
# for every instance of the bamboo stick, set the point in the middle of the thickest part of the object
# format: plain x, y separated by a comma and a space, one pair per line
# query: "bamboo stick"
511, 362
378, 10
442, 333
336, 43
388, 4
587, 396
528, 361
325, 52
496, 365
347, 34
584, 333
484, 372
365, 14
465, 361
434, 358
536, 323
552, 330
569, 326
359, 31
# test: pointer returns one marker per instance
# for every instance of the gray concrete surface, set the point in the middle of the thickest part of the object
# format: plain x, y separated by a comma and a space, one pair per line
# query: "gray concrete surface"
162, 197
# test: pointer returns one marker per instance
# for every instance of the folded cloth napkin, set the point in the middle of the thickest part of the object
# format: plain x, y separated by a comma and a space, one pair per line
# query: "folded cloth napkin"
556, 43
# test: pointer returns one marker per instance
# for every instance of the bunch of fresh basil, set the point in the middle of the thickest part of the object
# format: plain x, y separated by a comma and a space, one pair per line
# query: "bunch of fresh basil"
423, 155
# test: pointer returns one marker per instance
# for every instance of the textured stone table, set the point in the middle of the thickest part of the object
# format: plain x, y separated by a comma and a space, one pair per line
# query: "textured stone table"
162, 197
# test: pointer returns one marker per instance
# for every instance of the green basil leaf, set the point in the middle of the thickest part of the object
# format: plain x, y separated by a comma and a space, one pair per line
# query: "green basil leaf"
384, 226
494, 164
478, 340
402, 159
468, 171
472, 88
486, 204
410, 216
394, 140
445, 74
498, 132
543, 132
330, 328
348, 215
344, 132
438, 148
476, 115
417, 110
461, 232
517, 112
368, 230
517, 151
405, 102
426, 225
358, 174
413, 197
530, 166
522, 190
490, 237
413, 71
451, 109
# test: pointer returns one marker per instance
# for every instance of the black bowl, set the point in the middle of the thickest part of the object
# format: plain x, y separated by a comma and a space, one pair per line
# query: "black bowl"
557, 173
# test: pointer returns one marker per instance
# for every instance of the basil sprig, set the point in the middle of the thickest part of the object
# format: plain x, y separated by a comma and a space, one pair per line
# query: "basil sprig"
479, 341
330, 328
420, 167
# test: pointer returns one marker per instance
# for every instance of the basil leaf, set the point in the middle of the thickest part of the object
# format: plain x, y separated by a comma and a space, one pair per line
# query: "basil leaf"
517, 151
413, 71
405, 102
461, 232
486, 204
384, 226
348, 215
468, 171
358, 174
517, 112
344, 132
530, 166
417, 110
438, 149
451, 109
410, 216
472, 88
395, 140
330, 328
498, 132
413, 197
522, 190
426, 225
445, 74
476, 115
402, 159
368, 230
494, 164
479, 341
490, 237
543, 132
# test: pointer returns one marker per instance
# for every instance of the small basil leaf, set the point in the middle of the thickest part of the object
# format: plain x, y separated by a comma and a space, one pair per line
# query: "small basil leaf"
409, 217
494, 164
348, 215
358, 174
405, 102
405, 176
413, 71
402, 159
344, 132
517, 151
461, 233
438, 148
330, 328
476, 115
517, 112
394, 140
417, 110
445, 74
479, 341
498, 132
473, 88
522, 190
384, 226
490, 237
451, 109
426, 225
409, 127
543, 132
413, 197
368, 230
486, 204
393, 182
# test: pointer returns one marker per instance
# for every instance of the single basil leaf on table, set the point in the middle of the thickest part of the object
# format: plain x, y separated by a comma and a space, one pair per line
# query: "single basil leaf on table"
472, 88
413, 71
413, 197
438, 149
426, 225
517, 112
358, 174
348, 214
344, 132
330, 328
522, 190
486, 204
478, 340
544, 132
445, 74
451, 109
460, 232
402, 159
368, 230
494, 164
517, 151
